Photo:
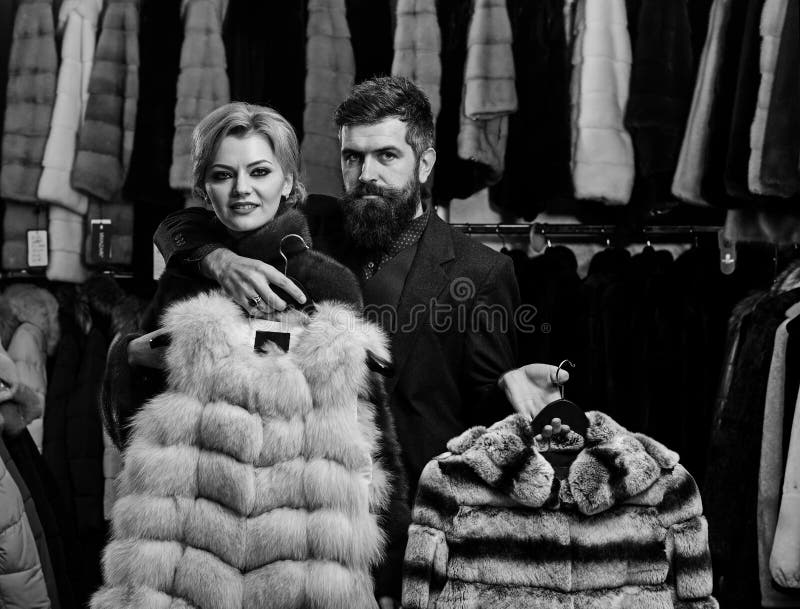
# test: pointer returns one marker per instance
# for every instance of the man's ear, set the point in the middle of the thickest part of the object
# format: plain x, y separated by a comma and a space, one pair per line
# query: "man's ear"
426, 162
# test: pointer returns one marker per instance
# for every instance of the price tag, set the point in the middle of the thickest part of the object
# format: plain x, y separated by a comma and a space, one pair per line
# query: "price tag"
159, 264
37, 248
101, 240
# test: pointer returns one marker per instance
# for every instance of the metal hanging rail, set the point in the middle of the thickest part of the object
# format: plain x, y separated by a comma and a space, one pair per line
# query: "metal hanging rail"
596, 231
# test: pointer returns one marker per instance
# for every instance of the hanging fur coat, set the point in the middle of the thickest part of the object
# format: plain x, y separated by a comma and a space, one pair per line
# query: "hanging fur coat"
78, 22
253, 480
105, 141
602, 151
493, 527
203, 82
417, 45
686, 183
489, 92
330, 71
30, 96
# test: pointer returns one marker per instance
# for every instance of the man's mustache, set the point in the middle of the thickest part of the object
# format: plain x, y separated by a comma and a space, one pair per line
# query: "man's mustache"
364, 189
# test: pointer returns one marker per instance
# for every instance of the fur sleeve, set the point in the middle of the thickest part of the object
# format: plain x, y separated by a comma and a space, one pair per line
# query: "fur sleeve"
426, 563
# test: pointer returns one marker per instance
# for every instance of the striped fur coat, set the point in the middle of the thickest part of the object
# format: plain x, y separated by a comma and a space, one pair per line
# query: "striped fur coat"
492, 527
256, 479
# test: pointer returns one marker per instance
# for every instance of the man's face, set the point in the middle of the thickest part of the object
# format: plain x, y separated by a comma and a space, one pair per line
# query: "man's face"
382, 178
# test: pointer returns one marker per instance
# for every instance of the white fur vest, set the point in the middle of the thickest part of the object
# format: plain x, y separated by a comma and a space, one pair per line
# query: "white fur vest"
493, 527
252, 481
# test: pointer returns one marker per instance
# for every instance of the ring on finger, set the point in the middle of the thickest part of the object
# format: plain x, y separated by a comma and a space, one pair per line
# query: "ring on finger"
254, 301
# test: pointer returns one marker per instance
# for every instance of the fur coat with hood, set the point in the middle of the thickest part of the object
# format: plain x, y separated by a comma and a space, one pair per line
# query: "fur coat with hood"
493, 527
126, 388
30, 96
203, 82
33, 341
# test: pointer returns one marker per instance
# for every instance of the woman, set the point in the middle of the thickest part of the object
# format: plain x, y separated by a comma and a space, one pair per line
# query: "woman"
260, 478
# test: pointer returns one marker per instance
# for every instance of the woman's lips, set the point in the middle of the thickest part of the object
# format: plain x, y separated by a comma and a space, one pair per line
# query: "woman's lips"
243, 207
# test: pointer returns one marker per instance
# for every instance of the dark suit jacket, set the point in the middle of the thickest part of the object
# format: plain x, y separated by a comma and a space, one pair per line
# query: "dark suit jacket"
452, 331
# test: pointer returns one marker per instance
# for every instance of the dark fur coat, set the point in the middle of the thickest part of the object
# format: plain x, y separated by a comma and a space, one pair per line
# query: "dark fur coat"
493, 527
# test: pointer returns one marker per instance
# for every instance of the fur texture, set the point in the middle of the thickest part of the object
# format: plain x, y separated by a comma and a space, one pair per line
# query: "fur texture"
202, 84
602, 151
78, 22
489, 92
255, 479
492, 526
417, 44
330, 71
30, 97
105, 141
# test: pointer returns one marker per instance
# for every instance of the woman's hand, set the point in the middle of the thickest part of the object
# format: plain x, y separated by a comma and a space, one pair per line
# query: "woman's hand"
248, 281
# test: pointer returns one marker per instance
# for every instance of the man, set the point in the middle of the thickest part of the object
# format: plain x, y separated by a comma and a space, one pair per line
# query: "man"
447, 302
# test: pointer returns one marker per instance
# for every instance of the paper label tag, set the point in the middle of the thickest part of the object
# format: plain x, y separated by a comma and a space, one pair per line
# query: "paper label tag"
159, 264
37, 248
101, 231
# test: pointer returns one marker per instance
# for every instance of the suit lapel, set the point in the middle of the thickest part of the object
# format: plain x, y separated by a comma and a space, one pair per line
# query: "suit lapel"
424, 283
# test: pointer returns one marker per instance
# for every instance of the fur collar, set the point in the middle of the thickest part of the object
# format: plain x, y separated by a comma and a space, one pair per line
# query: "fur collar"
613, 466
264, 243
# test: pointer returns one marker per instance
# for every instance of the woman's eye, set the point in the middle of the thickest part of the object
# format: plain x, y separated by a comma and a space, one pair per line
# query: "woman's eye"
221, 175
260, 172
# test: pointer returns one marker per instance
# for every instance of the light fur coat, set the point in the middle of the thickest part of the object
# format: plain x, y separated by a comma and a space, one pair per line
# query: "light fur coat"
493, 527
252, 481
602, 150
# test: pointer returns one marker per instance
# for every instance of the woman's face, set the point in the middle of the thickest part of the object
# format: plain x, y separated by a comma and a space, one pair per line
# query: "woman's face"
245, 182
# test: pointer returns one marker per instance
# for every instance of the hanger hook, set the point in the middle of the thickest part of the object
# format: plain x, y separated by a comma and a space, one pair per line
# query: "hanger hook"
283, 255
558, 373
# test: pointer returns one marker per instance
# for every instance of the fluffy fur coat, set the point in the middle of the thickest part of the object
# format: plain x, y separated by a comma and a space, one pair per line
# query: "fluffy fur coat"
30, 97
253, 481
602, 151
105, 141
489, 92
493, 527
202, 84
330, 71
417, 44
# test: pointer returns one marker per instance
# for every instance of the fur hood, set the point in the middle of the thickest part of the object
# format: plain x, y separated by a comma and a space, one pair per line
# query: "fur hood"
613, 465
256, 474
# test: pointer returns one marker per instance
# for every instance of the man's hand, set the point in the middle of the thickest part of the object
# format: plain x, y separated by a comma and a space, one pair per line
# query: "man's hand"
244, 278
387, 602
532, 387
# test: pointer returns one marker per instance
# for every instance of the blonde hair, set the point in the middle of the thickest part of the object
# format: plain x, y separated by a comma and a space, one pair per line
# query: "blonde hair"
240, 119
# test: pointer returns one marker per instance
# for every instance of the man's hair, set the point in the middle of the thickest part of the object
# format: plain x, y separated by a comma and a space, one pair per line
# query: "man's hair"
240, 119
377, 99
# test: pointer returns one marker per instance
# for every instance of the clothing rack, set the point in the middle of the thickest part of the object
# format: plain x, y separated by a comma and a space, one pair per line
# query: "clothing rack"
592, 232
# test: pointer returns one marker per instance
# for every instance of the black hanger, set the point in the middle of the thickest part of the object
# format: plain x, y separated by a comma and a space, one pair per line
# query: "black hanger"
569, 414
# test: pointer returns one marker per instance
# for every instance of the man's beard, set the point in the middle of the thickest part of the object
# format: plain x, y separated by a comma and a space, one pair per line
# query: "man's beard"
375, 223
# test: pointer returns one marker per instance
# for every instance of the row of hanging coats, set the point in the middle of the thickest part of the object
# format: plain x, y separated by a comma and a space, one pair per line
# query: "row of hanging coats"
56, 467
101, 97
